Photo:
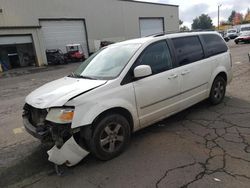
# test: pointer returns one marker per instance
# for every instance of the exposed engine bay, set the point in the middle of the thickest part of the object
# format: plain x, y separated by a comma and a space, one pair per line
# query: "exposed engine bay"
66, 144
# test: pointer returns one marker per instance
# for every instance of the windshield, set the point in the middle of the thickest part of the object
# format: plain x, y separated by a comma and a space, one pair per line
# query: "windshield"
107, 63
231, 31
245, 29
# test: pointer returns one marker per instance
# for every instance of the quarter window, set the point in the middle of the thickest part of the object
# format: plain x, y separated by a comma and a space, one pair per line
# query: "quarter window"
157, 56
214, 44
188, 49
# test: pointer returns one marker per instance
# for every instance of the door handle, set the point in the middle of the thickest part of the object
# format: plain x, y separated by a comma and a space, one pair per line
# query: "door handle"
172, 76
185, 72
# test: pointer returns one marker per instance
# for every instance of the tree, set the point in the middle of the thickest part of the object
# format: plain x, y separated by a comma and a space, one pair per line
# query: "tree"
184, 28
247, 17
180, 22
248, 10
231, 17
223, 22
202, 22
238, 18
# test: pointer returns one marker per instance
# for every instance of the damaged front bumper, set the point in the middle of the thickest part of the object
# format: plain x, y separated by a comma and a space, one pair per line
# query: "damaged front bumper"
66, 150
70, 153
34, 131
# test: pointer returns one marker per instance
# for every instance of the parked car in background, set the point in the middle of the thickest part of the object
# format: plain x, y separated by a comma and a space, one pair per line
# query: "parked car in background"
232, 33
245, 28
74, 53
105, 43
244, 38
55, 57
224, 36
125, 87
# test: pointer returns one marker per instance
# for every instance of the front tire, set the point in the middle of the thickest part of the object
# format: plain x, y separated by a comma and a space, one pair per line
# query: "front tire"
218, 90
110, 137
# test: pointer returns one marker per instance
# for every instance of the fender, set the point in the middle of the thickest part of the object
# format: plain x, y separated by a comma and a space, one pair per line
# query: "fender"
217, 71
85, 114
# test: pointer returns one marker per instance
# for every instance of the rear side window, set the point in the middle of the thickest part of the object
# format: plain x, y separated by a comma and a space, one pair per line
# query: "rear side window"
188, 49
214, 44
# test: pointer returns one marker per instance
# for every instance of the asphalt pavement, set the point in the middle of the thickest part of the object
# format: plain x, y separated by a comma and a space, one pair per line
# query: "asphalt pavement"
203, 146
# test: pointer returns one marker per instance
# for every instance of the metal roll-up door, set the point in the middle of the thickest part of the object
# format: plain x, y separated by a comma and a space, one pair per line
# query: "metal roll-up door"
150, 26
9, 40
57, 34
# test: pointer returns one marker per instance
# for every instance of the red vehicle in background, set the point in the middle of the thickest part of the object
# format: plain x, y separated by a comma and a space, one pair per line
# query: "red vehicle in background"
74, 53
244, 37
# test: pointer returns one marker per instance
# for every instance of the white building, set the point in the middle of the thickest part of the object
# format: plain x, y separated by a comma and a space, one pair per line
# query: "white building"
29, 27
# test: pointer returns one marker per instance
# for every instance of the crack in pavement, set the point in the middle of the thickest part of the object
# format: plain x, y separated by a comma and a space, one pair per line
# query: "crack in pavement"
216, 141
166, 173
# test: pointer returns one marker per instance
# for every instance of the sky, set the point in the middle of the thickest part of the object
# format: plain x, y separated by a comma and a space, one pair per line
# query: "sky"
190, 9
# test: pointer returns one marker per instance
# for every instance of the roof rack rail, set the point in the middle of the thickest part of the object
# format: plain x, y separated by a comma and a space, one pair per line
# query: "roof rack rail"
162, 33
200, 30
172, 32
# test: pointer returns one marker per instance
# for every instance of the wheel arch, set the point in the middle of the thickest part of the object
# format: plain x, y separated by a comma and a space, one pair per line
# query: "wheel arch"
223, 75
216, 96
118, 110
220, 71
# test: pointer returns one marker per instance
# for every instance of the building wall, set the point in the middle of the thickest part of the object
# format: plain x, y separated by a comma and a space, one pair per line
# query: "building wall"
131, 12
114, 20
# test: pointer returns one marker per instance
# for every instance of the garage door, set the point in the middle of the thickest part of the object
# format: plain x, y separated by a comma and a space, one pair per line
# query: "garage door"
8, 40
149, 26
57, 34
17, 51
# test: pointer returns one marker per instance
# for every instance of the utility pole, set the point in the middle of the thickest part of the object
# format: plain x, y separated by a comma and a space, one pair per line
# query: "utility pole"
219, 16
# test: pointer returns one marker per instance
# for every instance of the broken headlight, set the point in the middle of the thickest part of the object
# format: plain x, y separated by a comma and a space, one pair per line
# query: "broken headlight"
60, 115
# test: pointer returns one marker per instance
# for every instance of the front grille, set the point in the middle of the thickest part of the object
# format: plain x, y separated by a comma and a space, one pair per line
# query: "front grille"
36, 116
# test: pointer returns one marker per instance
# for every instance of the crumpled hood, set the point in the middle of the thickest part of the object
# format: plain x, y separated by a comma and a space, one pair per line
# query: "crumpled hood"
58, 92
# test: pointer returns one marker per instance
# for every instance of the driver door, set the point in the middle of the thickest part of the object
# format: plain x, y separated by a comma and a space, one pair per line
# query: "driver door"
157, 95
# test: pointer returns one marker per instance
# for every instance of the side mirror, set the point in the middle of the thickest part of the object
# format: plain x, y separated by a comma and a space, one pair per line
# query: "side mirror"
142, 71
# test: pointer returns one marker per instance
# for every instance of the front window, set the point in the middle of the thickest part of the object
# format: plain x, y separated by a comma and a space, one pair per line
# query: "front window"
72, 48
107, 63
231, 31
157, 56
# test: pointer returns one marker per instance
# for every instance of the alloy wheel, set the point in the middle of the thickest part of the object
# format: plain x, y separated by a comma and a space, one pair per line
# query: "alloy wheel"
219, 90
112, 137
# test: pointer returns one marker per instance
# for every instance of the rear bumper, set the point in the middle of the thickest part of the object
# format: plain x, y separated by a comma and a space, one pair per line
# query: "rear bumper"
33, 130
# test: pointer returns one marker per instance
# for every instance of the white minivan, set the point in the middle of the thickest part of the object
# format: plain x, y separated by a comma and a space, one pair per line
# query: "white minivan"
125, 87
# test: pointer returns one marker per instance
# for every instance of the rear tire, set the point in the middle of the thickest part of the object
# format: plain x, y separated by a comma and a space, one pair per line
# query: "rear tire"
110, 137
218, 90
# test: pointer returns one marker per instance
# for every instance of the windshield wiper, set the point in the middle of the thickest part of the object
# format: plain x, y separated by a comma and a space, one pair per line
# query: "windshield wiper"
73, 75
86, 77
